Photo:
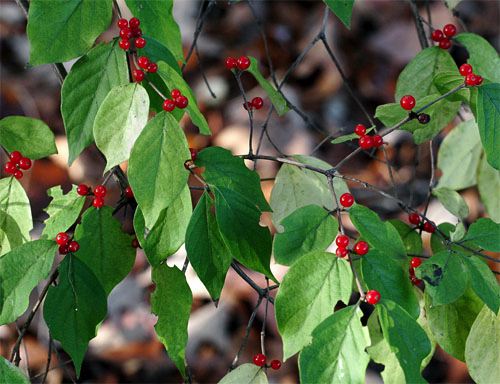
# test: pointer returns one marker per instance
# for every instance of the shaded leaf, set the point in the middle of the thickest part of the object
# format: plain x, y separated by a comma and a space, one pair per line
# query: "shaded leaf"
488, 183
485, 233
245, 374
488, 121
10, 374
483, 282
482, 55
448, 80
411, 239
452, 201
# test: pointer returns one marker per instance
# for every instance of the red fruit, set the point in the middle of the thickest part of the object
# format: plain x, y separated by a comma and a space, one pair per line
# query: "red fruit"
64, 249
25, 163
360, 130
415, 280
407, 102
411, 271
136, 32
445, 43
471, 79
365, 142
135, 243
346, 200
378, 141
140, 42
168, 105
361, 248
275, 364
15, 156
10, 167
479, 80
98, 202
450, 30
73, 246
83, 190
62, 238
414, 218
18, 174
138, 75
257, 102
415, 262
122, 23
372, 297
259, 359
243, 63
231, 63
194, 153
129, 194
341, 252
342, 241
175, 93
100, 191
465, 69
437, 35
143, 62
181, 102
134, 22
428, 227
126, 33
152, 67
124, 44
248, 105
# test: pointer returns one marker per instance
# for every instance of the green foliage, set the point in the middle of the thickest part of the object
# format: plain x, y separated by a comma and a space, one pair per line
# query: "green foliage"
488, 183
10, 374
482, 56
452, 201
156, 51
74, 26
446, 81
245, 374
488, 121
411, 238
349, 137
483, 282
485, 233
342, 9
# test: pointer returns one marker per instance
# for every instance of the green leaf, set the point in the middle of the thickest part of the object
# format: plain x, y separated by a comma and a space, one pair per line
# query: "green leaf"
119, 121
174, 80
74, 25
441, 114
406, 339
482, 55
310, 228
386, 275
458, 156
239, 226
448, 80
488, 121
380, 235
85, 88
74, 308
485, 233
20, 271
342, 9
458, 233
296, 187
437, 241
157, 20
483, 282
274, 95
349, 137
337, 351
104, 247
417, 77
15, 215
156, 51
411, 239
167, 235
452, 201
309, 292
206, 250
222, 169
171, 302
63, 211
451, 4
245, 374
32, 137
10, 374
450, 324
445, 277
488, 183
156, 166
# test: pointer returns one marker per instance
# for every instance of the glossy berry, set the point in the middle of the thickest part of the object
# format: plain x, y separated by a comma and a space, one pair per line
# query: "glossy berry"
423, 118
129, 194
25, 163
414, 218
479, 80
134, 22
415, 280
415, 262
140, 42
445, 44
346, 200
168, 105
275, 364
365, 142
243, 63
175, 93
257, 102
428, 227
136, 32
138, 75
98, 202
341, 252
64, 249
360, 130
181, 102
194, 153
449, 30
259, 360
342, 241
471, 79
124, 44
465, 69
73, 246
62, 238
143, 62
126, 33
15, 156
361, 248
437, 35
231, 63
372, 297
122, 23
135, 243
152, 68
407, 102
100, 191
10, 167
378, 141
18, 174
83, 190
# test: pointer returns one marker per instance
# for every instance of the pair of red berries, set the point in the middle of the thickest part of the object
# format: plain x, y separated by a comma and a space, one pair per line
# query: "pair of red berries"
178, 100
372, 296
66, 245
442, 37
360, 248
471, 79
415, 262
415, 219
146, 65
16, 163
346, 200
255, 103
99, 193
367, 141
128, 30
242, 63
260, 360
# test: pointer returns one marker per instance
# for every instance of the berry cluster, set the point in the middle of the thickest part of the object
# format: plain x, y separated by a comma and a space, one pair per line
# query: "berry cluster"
130, 30
66, 245
260, 360
242, 63
178, 100
16, 163
366, 141
471, 79
255, 103
99, 193
414, 218
442, 37
146, 65
414, 263
360, 248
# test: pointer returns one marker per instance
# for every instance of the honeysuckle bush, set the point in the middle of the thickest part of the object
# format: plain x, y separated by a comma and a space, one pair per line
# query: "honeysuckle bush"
451, 299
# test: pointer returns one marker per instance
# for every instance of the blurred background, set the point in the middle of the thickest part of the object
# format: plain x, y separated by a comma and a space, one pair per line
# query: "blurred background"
380, 43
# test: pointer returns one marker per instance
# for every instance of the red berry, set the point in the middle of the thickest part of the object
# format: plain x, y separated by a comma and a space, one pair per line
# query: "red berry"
445, 43
471, 79
15, 156
341, 252
98, 202
414, 218
64, 249
231, 63
346, 200
175, 93
415, 280
73, 246
100, 191
18, 174
429, 227
181, 102
360, 130
82, 190
243, 63
25, 163
415, 262
136, 32
194, 153
257, 102
407, 102
10, 167
437, 35
152, 68
275, 364
259, 359
449, 30
126, 33
140, 42
168, 105
135, 243
134, 22
465, 69
62, 238
361, 248
423, 118
143, 62
372, 297
138, 75
124, 44
122, 23
378, 141
479, 80
365, 142
342, 241
129, 194
411, 271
